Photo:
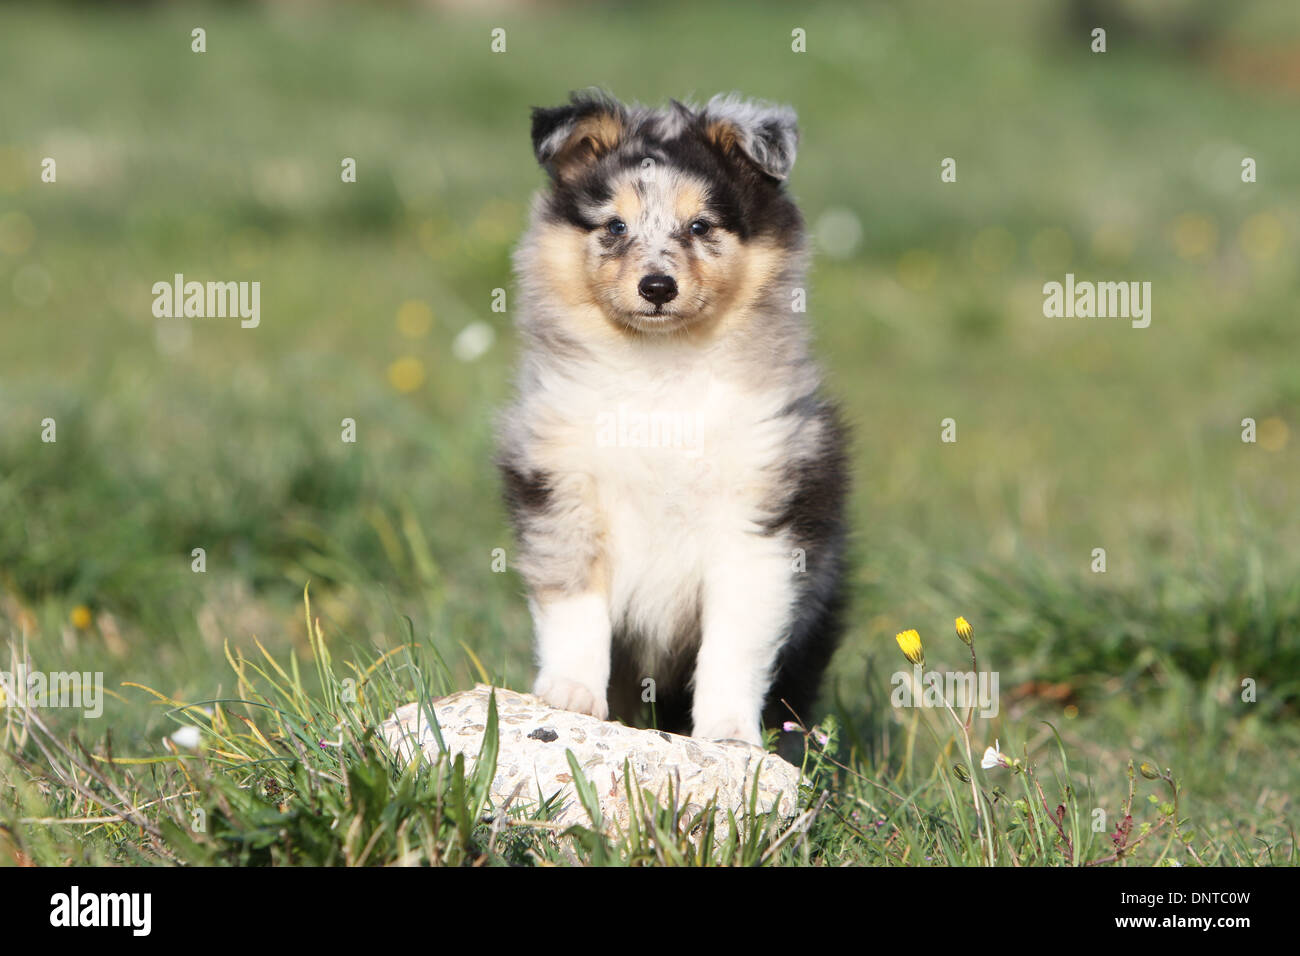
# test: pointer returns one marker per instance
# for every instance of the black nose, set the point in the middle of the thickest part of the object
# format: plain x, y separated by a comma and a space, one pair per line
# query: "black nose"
657, 289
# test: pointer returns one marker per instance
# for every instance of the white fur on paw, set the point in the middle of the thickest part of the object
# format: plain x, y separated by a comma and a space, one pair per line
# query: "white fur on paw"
571, 695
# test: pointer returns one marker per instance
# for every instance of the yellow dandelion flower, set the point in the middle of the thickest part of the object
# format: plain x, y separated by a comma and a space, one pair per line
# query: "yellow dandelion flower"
80, 617
1261, 236
406, 374
1193, 236
414, 319
909, 642
1273, 434
965, 631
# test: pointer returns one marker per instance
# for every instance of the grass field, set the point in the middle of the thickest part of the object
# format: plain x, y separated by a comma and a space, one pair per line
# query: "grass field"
926, 299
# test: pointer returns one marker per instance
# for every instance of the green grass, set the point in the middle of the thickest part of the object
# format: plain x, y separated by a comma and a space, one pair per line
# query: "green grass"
287, 775
1072, 434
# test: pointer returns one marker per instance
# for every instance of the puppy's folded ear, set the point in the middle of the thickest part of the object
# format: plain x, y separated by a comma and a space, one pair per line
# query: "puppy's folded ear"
762, 134
568, 139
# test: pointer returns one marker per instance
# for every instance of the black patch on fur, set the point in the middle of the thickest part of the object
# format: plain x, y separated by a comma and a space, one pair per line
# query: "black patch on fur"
564, 206
671, 710
525, 493
673, 676
812, 513
612, 246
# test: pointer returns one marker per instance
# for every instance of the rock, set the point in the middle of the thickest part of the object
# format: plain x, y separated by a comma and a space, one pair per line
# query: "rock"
533, 739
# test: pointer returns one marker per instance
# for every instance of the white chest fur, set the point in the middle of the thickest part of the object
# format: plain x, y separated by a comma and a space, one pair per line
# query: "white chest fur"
682, 461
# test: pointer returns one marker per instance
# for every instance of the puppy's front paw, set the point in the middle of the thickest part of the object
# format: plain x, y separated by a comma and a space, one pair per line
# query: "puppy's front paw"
571, 695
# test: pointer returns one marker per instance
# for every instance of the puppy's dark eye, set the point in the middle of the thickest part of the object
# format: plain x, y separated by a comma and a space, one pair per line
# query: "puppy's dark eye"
616, 227
699, 227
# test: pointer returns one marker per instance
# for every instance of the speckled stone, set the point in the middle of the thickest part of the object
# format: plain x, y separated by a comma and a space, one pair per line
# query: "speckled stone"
534, 736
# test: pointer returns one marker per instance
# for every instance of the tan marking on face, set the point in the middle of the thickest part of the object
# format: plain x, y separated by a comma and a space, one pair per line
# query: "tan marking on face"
750, 269
763, 263
689, 202
562, 267
627, 204
560, 259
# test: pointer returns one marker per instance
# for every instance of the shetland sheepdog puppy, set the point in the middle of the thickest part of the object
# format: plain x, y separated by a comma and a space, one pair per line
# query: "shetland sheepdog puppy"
675, 476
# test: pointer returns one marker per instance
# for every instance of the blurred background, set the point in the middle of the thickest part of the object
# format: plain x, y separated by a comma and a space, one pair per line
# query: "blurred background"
926, 299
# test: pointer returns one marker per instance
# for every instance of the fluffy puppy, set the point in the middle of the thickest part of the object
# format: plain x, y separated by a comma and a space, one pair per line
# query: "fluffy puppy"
675, 477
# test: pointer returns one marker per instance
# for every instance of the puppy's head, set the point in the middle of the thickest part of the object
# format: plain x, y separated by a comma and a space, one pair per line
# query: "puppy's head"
663, 218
